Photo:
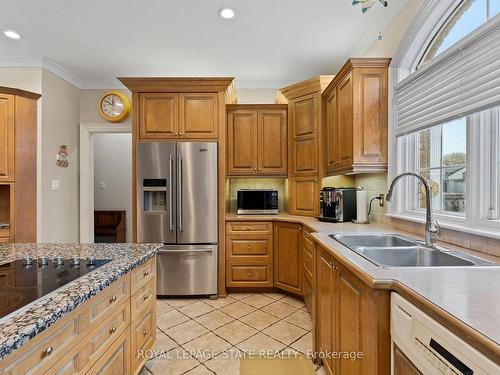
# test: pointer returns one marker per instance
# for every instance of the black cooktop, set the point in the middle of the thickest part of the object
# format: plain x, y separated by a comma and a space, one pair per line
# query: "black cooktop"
24, 281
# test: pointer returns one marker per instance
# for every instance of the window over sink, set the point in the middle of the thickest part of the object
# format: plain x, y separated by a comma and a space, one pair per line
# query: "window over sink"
446, 123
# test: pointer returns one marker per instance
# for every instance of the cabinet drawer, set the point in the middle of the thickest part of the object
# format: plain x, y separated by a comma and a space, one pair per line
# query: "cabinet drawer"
245, 245
308, 241
143, 274
142, 336
43, 353
244, 275
116, 360
85, 354
308, 293
249, 226
108, 300
142, 299
308, 263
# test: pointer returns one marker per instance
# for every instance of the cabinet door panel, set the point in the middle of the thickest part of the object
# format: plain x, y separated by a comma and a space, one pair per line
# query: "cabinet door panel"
304, 196
158, 115
6, 137
344, 132
288, 257
325, 319
242, 142
199, 115
331, 123
370, 116
116, 360
272, 142
304, 142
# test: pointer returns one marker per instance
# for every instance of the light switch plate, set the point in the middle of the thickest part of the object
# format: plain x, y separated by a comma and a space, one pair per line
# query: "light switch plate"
56, 185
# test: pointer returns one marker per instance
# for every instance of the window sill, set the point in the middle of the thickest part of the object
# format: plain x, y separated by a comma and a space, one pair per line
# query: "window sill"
479, 231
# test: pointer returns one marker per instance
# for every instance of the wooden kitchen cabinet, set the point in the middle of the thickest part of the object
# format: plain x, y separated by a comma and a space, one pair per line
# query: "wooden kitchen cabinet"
304, 195
306, 145
356, 108
288, 265
257, 140
350, 317
402, 365
7, 151
178, 115
249, 254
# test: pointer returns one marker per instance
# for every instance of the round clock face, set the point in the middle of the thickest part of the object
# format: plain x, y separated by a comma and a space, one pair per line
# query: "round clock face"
114, 106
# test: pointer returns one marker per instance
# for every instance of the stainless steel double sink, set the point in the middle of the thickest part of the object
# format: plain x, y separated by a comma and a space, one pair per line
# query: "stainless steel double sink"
390, 250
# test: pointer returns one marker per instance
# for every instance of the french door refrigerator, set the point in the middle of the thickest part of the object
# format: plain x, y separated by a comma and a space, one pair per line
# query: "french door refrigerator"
177, 206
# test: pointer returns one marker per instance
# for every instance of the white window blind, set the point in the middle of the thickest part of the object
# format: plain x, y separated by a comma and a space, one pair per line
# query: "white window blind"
463, 80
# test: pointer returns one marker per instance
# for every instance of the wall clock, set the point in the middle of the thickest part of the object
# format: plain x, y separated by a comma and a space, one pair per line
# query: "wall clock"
114, 106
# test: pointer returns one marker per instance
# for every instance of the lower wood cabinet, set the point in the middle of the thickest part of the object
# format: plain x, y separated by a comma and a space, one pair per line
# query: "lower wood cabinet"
288, 257
105, 335
249, 254
350, 317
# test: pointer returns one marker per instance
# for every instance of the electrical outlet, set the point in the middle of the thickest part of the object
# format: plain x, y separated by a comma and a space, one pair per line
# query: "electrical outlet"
55, 185
381, 200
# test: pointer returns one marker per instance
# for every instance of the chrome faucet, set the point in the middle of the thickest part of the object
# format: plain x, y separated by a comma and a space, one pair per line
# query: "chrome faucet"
431, 226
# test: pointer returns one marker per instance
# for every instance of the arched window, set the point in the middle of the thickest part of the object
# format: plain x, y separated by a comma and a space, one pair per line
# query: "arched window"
446, 120
467, 17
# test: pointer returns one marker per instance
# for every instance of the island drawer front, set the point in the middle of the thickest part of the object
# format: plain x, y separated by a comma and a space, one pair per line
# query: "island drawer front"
239, 227
249, 245
44, 351
142, 336
103, 304
88, 351
142, 274
141, 299
116, 360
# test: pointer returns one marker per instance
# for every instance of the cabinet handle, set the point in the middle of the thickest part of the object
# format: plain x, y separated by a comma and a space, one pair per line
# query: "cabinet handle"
112, 299
146, 273
146, 297
48, 351
112, 330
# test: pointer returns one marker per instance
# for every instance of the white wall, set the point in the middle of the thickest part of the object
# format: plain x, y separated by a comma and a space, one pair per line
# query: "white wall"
59, 218
256, 96
113, 166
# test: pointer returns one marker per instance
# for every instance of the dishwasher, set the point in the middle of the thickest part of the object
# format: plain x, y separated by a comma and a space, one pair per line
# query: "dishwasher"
421, 345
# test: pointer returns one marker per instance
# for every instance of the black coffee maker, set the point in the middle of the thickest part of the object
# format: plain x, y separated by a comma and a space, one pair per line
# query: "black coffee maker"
337, 204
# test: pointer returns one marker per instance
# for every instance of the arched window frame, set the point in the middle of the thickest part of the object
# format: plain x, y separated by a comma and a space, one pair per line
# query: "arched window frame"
429, 20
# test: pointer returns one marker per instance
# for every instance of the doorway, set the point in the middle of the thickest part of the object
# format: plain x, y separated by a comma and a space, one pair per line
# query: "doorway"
105, 181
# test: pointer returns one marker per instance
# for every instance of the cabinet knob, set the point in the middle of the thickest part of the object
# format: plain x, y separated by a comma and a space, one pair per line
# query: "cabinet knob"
255, 169
145, 332
177, 134
300, 228
112, 330
249, 274
48, 351
315, 171
180, 133
146, 297
112, 299
146, 273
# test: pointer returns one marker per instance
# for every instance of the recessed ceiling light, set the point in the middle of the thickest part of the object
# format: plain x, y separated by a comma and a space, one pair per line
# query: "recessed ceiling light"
227, 13
12, 34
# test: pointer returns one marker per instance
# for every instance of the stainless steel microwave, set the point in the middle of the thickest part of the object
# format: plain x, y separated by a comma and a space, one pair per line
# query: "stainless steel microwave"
257, 201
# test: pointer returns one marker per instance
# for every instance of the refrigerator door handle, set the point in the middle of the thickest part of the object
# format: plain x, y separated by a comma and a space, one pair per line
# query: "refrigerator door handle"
162, 252
171, 198
179, 187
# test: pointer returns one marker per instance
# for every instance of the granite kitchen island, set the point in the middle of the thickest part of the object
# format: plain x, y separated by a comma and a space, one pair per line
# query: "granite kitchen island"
96, 323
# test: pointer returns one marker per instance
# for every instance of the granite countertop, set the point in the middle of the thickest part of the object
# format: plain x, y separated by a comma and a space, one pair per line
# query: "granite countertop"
22, 325
465, 299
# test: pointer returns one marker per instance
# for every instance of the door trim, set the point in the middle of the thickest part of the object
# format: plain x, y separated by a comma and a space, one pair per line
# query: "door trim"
87, 131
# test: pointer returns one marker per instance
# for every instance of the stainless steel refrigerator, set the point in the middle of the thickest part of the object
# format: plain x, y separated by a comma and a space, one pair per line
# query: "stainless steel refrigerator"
177, 206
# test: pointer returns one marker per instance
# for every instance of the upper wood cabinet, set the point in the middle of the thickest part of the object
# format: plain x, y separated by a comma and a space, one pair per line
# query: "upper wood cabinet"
172, 115
257, 140
159, 116
350, 316
356, 114
304, 123
7, 150
288, 265
199, 115
304, 195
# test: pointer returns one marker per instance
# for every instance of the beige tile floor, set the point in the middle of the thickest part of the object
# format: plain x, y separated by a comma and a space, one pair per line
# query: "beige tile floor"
203, 336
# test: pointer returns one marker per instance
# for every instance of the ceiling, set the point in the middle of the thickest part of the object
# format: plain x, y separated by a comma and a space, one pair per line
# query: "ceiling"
268, 44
